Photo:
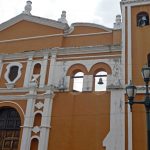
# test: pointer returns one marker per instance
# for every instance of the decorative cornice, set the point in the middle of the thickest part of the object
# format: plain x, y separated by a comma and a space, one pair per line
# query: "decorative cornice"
62, 51
88, 49
24, 97
89, 57
25, 90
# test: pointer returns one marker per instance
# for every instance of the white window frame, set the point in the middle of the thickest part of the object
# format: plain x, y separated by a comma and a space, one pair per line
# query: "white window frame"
8, 71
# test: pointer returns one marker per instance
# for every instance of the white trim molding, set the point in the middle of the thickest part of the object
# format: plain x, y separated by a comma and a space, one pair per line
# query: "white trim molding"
6, 102
19, 65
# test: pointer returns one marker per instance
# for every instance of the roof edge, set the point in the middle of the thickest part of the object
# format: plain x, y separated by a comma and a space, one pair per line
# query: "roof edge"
34, 19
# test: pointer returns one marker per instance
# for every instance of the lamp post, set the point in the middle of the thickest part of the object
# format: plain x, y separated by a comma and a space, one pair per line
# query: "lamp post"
131, 92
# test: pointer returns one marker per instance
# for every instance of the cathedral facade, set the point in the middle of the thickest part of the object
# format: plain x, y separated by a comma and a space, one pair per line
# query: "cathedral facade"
63, 87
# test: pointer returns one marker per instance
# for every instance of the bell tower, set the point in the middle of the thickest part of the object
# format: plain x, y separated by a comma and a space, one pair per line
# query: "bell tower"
135, 37
135, 54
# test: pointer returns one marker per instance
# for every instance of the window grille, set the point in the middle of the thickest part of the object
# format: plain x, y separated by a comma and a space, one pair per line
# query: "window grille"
9, 129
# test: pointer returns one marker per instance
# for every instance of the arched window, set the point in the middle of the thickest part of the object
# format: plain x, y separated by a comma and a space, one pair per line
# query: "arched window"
100, 81
78, 81
9, 129
37, 68
34, 144
76, 73
142, 19
148, 60
37, 119
100, 72
36, 73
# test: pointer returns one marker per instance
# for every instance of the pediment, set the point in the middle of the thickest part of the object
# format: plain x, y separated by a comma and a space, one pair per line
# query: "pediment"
34, 19
25, 25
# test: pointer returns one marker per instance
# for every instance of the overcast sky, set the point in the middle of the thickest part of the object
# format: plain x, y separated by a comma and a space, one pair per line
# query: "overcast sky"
102, 12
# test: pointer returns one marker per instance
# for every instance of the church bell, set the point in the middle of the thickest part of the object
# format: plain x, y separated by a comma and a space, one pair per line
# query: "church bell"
100, 81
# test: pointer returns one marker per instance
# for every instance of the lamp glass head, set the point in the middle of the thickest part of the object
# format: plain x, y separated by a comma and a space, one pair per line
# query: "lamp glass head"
131, 91
146, 73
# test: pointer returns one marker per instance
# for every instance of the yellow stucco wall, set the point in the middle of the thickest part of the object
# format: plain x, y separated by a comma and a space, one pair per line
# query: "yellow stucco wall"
139, 51
27, 36
80, 121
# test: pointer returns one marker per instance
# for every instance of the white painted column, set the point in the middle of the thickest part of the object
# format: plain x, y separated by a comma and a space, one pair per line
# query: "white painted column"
115, 140
129, 129
67, 82
46, 121
28, 122
28, 72
123, 43
87, 82
90, 82
129, 44
43, 71
129, 75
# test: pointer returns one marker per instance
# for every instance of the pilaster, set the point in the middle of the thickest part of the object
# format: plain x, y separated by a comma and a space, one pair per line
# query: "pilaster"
43, 71
28, 122
46, 114
51, 69
28, 72
46, 121
115, 140
87, 82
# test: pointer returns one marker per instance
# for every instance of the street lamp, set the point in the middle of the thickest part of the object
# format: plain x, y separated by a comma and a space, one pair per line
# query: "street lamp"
131, 92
